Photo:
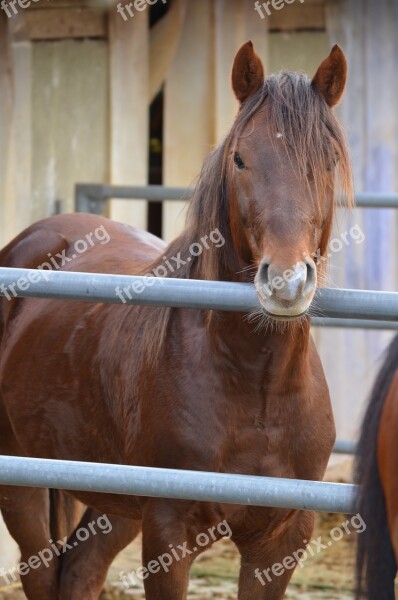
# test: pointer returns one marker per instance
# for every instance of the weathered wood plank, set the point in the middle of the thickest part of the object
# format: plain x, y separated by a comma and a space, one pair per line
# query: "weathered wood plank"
189, 108
298, 17
235, 22
74, 4
6, 74
70, 124
59, 23
19, 164
129, 84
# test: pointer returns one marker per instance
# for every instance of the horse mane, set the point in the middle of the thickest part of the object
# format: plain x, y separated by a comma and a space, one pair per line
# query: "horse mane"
311, 133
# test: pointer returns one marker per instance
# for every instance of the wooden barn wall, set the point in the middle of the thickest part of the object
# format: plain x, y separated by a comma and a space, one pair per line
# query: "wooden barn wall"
80, 108
199, 104
367, 31
129, 91
298, 51
70, 129
5, 125
75, 110
189, 106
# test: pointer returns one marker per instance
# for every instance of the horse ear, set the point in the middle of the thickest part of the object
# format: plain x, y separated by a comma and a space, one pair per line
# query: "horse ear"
331, 76
247, 72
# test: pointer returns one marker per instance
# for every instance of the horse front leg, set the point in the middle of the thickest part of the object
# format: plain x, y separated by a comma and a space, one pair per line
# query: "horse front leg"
268, 562
90, 551
168, 549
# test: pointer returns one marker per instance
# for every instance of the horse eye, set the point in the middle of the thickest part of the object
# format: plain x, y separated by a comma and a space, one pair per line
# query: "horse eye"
238, 161
333, 163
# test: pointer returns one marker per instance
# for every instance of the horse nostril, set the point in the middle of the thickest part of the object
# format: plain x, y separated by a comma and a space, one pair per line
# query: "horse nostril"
263, 273
311, 274
310, 270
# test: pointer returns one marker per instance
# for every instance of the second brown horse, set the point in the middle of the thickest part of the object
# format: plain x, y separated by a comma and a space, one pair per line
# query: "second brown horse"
376, 475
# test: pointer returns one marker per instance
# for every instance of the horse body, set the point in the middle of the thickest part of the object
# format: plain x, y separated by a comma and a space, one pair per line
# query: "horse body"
247, 416
252, 406
181, 388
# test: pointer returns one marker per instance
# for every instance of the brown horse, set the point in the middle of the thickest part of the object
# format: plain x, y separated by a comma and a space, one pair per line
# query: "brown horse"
377, 469
183, 388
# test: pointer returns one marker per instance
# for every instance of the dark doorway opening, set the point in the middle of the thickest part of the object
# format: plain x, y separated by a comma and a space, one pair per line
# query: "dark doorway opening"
155, 158
155, 176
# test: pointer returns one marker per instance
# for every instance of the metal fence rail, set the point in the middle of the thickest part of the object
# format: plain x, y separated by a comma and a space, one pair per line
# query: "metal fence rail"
90, 197
344, 447
353, 323
188, 293
178, 484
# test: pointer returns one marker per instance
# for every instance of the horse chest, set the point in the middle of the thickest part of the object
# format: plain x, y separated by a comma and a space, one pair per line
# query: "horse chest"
272, 437
259, 448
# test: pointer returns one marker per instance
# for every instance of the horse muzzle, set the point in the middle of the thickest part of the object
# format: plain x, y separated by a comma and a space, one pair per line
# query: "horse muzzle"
286, 293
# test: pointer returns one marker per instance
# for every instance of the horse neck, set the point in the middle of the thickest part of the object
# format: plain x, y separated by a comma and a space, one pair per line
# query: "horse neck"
237, 337
233, 338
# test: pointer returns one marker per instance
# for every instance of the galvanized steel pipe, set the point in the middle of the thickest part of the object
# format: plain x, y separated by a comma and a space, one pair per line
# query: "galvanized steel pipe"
155, 193
178, 484
189, 293
344, 447
353, 323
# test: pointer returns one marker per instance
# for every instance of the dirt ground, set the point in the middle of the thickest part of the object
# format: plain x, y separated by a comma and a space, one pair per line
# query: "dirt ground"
326, 576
